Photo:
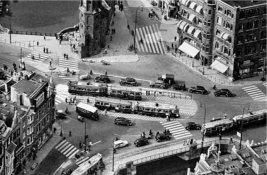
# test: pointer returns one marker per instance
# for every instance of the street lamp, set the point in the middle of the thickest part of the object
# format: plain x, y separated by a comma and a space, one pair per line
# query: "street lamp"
135, 27
203, 129
85, 136
113, 152
10, 31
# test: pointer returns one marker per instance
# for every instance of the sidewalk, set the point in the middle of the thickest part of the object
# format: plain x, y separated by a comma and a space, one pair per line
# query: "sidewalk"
44, 151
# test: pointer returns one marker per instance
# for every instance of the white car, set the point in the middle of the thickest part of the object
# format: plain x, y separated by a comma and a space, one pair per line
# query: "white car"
120, 143
85, 77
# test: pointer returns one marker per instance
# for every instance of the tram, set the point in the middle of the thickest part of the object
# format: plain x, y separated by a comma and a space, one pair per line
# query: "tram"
125, 93
104, 103
81, 88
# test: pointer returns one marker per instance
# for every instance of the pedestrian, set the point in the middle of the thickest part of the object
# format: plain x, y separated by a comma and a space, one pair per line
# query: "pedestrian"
128, 26
108, 46
176, 49
106, 111
44, 49
114, 30
172, 45
150, 132
175, 38
67, 56
55, 129
44, 37
69, 133
144, 134
110, 37
37, 43
64, 55
66, 100
50, 62
70, 100
32, 57
88, 100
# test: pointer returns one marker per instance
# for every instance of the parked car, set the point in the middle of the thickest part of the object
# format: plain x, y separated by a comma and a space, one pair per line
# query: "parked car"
60, 114
192, 126
161, 137
179, 85
141, 142
123, 121
224, 92
158, 84
198, 90
102, 79
80, 118
128, 81
120, 143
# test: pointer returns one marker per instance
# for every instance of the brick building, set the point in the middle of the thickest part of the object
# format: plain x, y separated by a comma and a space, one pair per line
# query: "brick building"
229, 36
29, 113
95, 17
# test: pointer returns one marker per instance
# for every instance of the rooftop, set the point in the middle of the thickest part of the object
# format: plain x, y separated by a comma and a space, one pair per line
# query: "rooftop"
26, 86
244, 3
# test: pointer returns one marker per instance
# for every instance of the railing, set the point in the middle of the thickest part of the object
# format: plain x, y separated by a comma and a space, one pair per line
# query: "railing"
176, 151
33, 33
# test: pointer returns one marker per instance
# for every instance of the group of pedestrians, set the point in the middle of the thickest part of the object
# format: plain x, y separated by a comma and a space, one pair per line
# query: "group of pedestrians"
66, 56
71, 100
120, 5
45, 50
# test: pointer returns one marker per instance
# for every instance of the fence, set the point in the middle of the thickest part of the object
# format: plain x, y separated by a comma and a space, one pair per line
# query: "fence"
34, 33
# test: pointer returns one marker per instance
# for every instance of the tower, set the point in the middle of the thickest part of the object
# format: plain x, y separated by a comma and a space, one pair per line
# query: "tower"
93, 19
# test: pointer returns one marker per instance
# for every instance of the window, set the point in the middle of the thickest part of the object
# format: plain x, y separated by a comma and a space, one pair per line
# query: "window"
217, 45
240, 39
239, 52
242, 15
241, 27
228, 26
229, 13
218, 32
263, 47
220, 9
209, 11
256, 24
263, 34
219, 20
263, 22
249, 25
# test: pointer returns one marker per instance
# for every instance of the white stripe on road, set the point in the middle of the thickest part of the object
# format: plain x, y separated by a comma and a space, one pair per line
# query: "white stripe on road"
61, 143
73, 154
69, 153
67, 150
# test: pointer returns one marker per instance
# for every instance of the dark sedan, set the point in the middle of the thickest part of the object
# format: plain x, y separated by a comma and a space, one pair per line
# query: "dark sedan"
224, 93
123, 121
141, 142
102, 79
161, 137
128, 82
192, 126
198, 90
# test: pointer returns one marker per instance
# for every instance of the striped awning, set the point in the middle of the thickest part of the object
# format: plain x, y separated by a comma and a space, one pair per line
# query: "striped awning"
189, 49
199, 8
179, 23
192, 5
186, 27
219, 66
197, 33
183, 1
191, 17
191, 30
182, 25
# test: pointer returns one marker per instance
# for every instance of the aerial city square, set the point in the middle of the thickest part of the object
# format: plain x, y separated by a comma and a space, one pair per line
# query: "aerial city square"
133, 87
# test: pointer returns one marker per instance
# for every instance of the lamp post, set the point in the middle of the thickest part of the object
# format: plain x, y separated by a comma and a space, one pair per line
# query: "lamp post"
10, 31
135, 27
203, 129
113, 152
85, 136
241, 128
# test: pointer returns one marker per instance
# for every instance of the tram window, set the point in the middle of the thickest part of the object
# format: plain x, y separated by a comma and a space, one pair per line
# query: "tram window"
138, 93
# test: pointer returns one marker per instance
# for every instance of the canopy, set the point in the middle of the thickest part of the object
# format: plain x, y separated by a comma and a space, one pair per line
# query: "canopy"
219, 66
191, 17
191, 30
192, 5
196, 34
199, 8
188, 49
182, 25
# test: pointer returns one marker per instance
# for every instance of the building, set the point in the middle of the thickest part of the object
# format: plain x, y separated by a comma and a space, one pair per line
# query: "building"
95, 17
28, 113
227, 160
226, 35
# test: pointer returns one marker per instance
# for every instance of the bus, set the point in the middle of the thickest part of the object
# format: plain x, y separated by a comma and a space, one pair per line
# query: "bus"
157, 109
82, 88
88, 111
104, 103
125, 93
216, 127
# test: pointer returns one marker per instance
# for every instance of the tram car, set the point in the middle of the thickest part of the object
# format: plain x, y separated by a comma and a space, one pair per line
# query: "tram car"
125, 93
221, 126
82, 88
157, 109
104, 103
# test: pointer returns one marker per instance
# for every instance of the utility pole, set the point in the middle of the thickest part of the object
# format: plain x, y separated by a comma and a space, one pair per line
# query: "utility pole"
241, 130
203, 129
113, 152
135, 28
84, 136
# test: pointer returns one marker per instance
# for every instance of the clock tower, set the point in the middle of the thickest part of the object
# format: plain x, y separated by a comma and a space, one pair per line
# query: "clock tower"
94, 21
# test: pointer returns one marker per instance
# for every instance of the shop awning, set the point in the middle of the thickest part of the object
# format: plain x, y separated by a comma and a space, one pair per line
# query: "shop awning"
189, 49
225, 36
183, 1
179, 23
199, 8
197, 33
182, 25
186, 27
190, 30
219, 66
191, 17
192, 5
187, 2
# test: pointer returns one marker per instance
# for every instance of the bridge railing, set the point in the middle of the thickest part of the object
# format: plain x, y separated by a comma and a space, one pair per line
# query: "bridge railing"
184, 148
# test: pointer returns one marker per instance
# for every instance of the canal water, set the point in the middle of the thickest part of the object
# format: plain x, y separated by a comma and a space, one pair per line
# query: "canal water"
49, 16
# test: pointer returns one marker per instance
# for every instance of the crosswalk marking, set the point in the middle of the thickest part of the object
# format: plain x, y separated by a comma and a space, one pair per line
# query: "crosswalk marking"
72, 64
255, 93
265, 84
37, 56
84, 159
61, 93
177, 129
67, 149
152, 39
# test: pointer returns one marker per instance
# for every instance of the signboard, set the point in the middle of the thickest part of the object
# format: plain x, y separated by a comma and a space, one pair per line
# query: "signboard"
39, 99
238, 134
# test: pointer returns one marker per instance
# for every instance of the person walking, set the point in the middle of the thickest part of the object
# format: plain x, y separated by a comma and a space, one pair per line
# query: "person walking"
44, 37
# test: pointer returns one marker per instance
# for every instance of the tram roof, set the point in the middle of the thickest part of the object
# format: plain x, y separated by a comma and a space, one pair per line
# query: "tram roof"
112, 100
252, 114
218, 122
87, 107
153, 105
132, 89
84, 167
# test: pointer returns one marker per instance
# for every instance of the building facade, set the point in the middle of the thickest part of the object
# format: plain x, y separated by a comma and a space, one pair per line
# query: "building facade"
228, 36
30, 105
95, 17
